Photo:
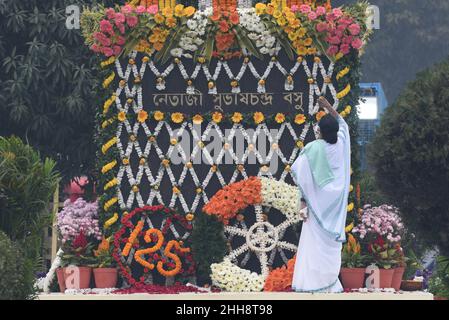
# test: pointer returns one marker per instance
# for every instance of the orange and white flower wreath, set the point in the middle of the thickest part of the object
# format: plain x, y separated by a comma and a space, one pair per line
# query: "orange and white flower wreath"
262, 237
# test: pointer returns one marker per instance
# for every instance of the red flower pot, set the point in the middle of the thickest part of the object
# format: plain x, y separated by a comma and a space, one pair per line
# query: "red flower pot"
386, 278
84, 274
61, 279
352, 278
397, 278
105, 277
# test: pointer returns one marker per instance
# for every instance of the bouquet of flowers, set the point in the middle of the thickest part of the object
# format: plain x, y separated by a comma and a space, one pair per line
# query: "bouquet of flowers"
351, 256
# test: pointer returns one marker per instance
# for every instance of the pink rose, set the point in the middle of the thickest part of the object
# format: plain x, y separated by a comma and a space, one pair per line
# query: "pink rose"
294, 8
119, 18
141, 9
152, 9
103, 39
312, 16
120, 40
110, 13
107, 51
357, 43
330, 17
305, 8
333, 40
126, 9
332, 51
117, 50
106, 26
337, 12
321, 27
95, 48
354, 29
341, 27
132, 21
121, 27
345, 48
347, 40
320, 10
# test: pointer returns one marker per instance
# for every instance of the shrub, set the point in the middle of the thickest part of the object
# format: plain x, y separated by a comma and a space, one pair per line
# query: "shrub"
410, 153
16, 272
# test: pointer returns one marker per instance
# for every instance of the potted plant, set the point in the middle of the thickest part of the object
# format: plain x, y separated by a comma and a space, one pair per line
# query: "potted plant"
352, 272
76, 218
105, 273
78, 258
381, 230
399, 269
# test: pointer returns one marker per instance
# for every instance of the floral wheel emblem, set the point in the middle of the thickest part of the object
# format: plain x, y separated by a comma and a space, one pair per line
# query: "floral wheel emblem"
262, 238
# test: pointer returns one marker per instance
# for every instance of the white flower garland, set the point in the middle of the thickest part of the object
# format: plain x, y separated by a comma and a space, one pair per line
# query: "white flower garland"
229, 277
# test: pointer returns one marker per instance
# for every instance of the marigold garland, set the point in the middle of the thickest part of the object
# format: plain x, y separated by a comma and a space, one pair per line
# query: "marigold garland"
132, 238
107, 62
110, 184
108, 145
108, 103
110, 203
344, 92
342, 73
108, 80
167, 252
109, 166
108, 223
139, 253
280, 279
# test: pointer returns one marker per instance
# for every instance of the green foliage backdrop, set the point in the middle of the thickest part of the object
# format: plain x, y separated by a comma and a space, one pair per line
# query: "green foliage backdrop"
411, 155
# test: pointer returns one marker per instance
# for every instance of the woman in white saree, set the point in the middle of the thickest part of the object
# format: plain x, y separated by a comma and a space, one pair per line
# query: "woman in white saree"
322, 172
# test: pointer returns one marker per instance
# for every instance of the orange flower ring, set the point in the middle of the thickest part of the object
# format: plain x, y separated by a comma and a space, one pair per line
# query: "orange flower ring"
261, 238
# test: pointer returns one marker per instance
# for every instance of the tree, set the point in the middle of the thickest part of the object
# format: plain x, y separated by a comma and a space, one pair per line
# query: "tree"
48, 83
410, 153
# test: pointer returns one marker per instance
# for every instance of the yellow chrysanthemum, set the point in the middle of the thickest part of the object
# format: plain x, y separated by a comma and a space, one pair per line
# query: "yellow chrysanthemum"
270, 9
158, 18
171, 22
279, 118
308, 42
237, 117
294, 23
281, 21
158, 116
142, 116
179, 10
177, 117
350, 207
121, 116
167, 12
260, 8
217, 117
300, 119
197, 119
301, 51
277, 14
188, 11
258, 117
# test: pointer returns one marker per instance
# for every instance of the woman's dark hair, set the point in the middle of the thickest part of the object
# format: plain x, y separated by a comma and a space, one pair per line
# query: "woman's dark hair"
329, 128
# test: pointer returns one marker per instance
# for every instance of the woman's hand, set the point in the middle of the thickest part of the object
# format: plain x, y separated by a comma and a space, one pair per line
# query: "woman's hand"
323, 103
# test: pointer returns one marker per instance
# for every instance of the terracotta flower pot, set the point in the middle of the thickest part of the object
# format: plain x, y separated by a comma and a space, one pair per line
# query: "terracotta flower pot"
352, 278
61, 279
397, 278
386, 278
105, 277
84, 273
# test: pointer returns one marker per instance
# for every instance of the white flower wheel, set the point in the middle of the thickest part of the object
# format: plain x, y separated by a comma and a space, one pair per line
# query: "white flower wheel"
262, 238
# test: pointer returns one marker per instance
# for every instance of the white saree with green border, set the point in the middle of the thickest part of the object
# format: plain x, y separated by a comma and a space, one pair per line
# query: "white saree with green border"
322, 173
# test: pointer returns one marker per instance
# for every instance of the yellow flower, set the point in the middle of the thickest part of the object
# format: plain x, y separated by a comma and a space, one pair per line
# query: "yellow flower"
237, 117
319, 115
197, 119
121, 116
189, 11
349, 227
308, 42
277, 14
167, 12
217, 117
171, 22
158, 18
302, 32
260, 8
158, 116
258, 117
177, 117
293, 36
348, 109
301, 51
281, 21
350, 207
142, 116
294, 23
179, 10
279, 118
300, 119
311, 50
270, 9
